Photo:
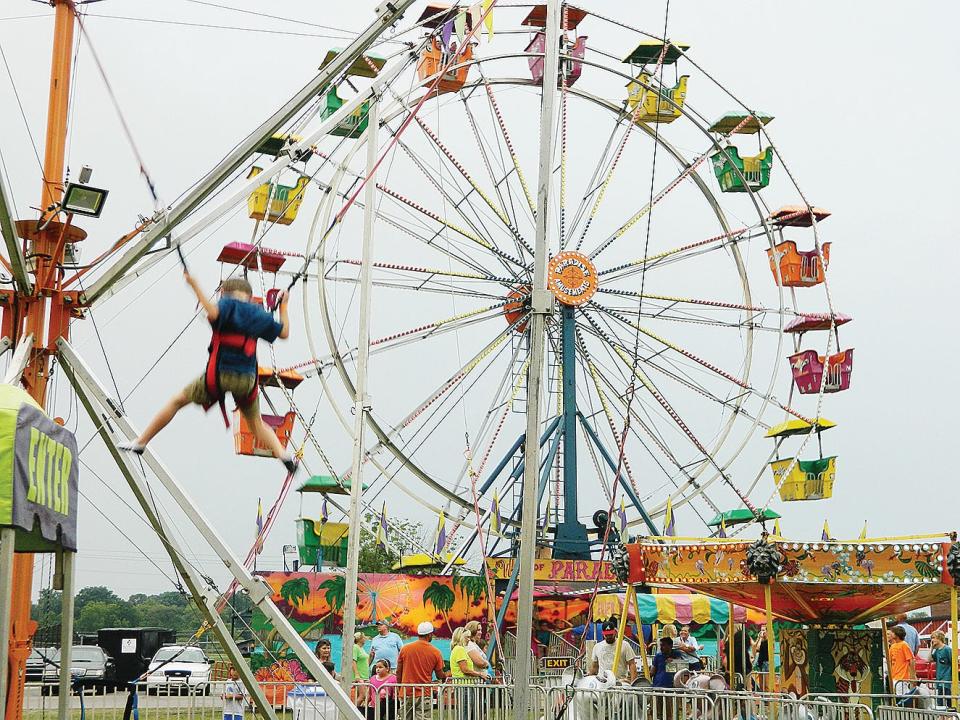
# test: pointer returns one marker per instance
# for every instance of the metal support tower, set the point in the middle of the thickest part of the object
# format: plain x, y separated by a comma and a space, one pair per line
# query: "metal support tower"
541, 309
571, 541
361, 403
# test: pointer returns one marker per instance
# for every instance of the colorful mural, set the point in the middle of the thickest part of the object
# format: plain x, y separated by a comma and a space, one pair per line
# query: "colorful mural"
848, 662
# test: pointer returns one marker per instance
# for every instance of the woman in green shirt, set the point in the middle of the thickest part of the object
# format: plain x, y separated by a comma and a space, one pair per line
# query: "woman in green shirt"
461, 666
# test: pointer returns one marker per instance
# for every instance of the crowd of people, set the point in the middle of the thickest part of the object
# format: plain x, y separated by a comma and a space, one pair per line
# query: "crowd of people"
387, 671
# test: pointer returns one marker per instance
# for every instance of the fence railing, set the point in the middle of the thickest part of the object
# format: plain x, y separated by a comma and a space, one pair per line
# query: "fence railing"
886, 712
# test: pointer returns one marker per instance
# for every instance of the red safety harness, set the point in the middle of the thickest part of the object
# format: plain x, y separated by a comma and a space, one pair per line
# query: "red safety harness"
235, 341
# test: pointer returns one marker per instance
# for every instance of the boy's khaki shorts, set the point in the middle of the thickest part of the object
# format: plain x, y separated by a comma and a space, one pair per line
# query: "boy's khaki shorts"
240, 386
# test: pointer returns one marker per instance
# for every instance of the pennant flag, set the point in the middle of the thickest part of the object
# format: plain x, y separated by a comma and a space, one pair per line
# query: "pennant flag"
475, 15
495, 515
488, 19
446, 32
259, 525
723, 528
622, 520
324, 511
776, 527
825, 535
441, 534
669, 527
382, 528
460, 25
863, 533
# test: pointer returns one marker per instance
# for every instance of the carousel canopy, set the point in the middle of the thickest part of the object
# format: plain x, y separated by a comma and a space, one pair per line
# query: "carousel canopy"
818, 583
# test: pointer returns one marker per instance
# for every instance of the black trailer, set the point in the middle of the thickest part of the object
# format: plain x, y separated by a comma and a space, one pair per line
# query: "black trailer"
133, 648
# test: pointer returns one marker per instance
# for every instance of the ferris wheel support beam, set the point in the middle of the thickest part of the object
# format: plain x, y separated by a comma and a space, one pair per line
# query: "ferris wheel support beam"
361, 402
112, 421
204, 600
387, 14
541, 307
18, 266
611, 463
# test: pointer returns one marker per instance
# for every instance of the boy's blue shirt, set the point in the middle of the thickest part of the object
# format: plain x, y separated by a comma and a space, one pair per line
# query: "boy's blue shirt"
246, 318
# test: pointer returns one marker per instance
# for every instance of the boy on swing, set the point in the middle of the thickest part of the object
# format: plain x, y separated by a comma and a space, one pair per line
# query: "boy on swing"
237, 324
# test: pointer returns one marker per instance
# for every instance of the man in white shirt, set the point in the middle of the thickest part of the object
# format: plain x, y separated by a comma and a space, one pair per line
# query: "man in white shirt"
689, 648
603, 652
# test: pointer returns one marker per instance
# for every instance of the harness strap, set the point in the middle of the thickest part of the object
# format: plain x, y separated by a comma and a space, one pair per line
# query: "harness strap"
235, 341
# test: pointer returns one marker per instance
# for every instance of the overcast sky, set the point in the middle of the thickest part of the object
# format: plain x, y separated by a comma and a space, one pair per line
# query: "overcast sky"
864, 96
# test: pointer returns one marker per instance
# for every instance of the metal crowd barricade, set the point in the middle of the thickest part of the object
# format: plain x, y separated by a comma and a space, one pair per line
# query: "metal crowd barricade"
822, 708
887, 712
627, 703
928, 699
447, 701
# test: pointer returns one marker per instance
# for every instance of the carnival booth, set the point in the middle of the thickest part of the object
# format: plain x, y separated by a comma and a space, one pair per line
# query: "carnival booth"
827, 588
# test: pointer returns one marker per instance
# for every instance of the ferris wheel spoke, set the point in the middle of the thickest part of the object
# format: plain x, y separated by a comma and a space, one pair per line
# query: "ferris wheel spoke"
418, 285
479, 225
495, 110
506, 202
730, 377
485, 244
644, 264
497, 210
438, 327
630, 430
429, 272
642, 212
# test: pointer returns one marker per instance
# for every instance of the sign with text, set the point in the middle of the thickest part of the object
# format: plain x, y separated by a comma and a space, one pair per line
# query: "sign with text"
556, 570
556, 663
38, 474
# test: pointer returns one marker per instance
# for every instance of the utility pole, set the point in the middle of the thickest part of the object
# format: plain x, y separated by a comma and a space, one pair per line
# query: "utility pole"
361, 404
541, 308
43, 313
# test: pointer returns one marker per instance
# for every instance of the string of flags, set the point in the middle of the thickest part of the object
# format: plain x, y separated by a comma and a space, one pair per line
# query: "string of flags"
466, 18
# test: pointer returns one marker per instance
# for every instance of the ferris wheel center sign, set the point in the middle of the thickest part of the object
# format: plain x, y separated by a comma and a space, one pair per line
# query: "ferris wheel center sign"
572, 278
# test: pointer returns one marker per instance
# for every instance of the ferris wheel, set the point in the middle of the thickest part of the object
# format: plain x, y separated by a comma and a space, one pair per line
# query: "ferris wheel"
685, 272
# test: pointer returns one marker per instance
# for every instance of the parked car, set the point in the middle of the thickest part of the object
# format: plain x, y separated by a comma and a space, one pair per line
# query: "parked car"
90, 665
133, 648
36, 663
179, 669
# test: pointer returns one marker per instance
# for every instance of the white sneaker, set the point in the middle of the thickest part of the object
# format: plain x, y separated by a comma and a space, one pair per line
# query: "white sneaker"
132, 446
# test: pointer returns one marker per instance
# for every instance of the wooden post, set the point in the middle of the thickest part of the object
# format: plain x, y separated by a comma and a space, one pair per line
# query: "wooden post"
954, 674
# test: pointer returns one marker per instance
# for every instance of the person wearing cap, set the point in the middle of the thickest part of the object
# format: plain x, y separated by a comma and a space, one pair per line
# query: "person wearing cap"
603, 653
417, 664
385, 645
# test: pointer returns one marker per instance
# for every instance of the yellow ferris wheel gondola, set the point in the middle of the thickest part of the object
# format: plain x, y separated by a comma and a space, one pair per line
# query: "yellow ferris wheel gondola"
798, 479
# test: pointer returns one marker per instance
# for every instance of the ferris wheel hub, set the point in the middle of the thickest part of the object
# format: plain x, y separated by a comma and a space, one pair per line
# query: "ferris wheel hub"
572, 278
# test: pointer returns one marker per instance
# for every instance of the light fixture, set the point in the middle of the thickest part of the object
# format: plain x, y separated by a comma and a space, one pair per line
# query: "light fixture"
83, 200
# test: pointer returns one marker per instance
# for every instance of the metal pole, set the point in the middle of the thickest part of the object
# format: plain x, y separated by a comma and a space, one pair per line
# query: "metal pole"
571, 539
622, 628
389, 13
260, 592
541, 306
954, 675
14, 252
7, 540
886, 654
361, 403
204, 600
66, 634
730, 648
771, 646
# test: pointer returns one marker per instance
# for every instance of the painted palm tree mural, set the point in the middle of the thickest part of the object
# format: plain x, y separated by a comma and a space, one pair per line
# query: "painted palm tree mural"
442, 597
473, 588
294, 592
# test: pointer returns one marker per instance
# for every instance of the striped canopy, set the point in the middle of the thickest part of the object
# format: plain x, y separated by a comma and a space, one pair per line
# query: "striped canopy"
683, 609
